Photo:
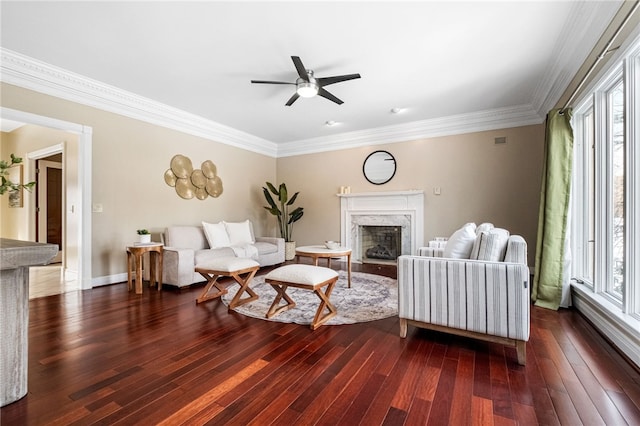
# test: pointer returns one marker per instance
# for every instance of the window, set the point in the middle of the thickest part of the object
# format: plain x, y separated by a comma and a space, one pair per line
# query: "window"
606, 259
616, 142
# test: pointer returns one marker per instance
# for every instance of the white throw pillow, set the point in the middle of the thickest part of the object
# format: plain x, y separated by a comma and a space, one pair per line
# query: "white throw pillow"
216, 234
493, 245
240, 233
461, 242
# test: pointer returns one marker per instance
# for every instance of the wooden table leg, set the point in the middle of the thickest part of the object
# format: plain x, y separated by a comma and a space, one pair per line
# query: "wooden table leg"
161, 260
349, 267
244, 288
129, 270
318, 320
153, 259
281, 289
212, 281
139, 274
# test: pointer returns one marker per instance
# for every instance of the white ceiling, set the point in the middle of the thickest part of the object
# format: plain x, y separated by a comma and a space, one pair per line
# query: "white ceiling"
439, 61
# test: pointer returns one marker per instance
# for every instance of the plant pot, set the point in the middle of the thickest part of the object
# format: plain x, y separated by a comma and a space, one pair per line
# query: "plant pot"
289, 250
144, 238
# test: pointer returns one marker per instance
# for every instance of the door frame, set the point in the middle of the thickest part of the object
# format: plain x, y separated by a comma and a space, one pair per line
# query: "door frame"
84, 167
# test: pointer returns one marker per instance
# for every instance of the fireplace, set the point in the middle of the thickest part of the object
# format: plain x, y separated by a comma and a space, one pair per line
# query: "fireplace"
380, 243
400, 211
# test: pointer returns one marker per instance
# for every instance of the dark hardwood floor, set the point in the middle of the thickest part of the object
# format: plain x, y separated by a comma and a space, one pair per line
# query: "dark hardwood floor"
107, 356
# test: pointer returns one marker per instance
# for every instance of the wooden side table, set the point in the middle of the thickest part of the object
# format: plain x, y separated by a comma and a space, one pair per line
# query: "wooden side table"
316, 252
134, 255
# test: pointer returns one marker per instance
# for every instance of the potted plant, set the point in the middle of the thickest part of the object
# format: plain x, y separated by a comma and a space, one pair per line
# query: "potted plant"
285, 218
8, 185
144, 235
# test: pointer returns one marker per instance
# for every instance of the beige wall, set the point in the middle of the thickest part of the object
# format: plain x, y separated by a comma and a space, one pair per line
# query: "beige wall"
479, 180
129, 158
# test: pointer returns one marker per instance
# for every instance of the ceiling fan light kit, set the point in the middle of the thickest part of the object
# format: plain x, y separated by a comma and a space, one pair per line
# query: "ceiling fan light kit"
307, 89
307, 86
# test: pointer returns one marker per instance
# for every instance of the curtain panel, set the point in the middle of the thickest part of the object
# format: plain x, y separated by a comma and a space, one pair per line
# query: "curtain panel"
553, 214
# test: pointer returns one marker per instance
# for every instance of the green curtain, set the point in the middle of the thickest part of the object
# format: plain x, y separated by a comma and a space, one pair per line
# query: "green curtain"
554, 208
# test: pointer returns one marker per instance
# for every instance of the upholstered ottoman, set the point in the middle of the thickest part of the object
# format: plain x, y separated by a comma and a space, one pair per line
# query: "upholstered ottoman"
233, 267
307, 277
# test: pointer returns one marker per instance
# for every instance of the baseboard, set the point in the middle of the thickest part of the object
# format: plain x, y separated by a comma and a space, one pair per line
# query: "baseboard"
621, 330
109, 279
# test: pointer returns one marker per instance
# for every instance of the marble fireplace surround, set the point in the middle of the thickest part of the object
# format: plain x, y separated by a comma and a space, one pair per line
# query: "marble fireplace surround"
394, 208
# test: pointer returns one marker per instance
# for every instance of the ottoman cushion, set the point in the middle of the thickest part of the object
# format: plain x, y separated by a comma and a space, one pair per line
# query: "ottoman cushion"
301, 274
228, 264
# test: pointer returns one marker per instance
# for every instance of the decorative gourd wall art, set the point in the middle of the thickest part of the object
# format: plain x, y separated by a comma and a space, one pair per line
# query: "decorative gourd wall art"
189, 183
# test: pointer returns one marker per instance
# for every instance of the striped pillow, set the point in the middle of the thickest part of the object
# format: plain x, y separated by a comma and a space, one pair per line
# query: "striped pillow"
483, 227
516, 250
492, 245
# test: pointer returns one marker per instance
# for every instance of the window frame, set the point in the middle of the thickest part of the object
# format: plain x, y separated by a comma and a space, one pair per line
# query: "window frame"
625, 70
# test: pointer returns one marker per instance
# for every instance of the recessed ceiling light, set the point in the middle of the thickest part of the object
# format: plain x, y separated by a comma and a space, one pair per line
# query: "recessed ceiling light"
396, 110
330, 123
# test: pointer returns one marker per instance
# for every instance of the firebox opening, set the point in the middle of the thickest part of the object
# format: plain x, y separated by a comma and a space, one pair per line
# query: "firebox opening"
380, 244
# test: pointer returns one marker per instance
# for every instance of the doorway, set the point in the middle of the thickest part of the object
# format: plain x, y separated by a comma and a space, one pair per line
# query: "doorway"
77, 238
50, 202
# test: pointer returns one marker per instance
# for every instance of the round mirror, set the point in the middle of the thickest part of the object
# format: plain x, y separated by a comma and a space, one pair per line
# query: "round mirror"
379, 167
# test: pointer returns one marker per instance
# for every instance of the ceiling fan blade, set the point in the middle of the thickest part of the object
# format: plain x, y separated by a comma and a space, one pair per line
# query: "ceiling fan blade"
302, 71
322, 92
292, 99
325, 81
271, 82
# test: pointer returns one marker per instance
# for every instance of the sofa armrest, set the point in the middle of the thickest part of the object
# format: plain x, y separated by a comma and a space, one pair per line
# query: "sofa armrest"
178, 266
279, 242
483, 297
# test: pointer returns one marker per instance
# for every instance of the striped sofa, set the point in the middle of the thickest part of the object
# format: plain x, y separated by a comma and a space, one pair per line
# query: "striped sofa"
480, 299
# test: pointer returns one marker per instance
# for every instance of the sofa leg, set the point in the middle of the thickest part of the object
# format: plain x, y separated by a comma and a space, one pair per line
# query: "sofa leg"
403, 328
521, 349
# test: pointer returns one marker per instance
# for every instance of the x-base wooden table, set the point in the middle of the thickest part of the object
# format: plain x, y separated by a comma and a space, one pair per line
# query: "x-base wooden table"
228, 267
321, 252
306, 277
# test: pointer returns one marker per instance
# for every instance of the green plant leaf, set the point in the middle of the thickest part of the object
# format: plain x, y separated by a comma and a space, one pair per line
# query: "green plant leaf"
295, 215
272, 188
293, 199
283, 193
269, 199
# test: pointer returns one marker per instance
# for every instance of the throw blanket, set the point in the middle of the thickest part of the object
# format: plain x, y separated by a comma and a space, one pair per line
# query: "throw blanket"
248, 250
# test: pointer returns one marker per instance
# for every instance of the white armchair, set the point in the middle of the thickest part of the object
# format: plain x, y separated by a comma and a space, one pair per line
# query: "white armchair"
482, 299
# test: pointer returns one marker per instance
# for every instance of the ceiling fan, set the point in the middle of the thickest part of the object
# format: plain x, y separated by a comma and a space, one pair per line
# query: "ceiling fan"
308, 86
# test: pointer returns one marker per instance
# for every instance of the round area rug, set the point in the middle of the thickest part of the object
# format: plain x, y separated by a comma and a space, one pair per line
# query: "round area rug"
371, 297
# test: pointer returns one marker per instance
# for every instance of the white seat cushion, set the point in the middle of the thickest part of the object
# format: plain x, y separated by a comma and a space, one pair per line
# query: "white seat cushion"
301, 274
228, 264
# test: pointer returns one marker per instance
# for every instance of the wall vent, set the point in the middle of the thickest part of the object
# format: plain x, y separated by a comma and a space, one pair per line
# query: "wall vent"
501, 140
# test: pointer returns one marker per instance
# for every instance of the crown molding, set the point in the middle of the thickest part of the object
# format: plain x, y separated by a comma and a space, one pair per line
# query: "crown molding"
29, 73
586, 24
32, 74
500, 118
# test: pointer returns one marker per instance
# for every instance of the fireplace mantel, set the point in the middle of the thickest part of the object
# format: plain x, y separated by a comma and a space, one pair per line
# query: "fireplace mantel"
400, 206
409, 192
